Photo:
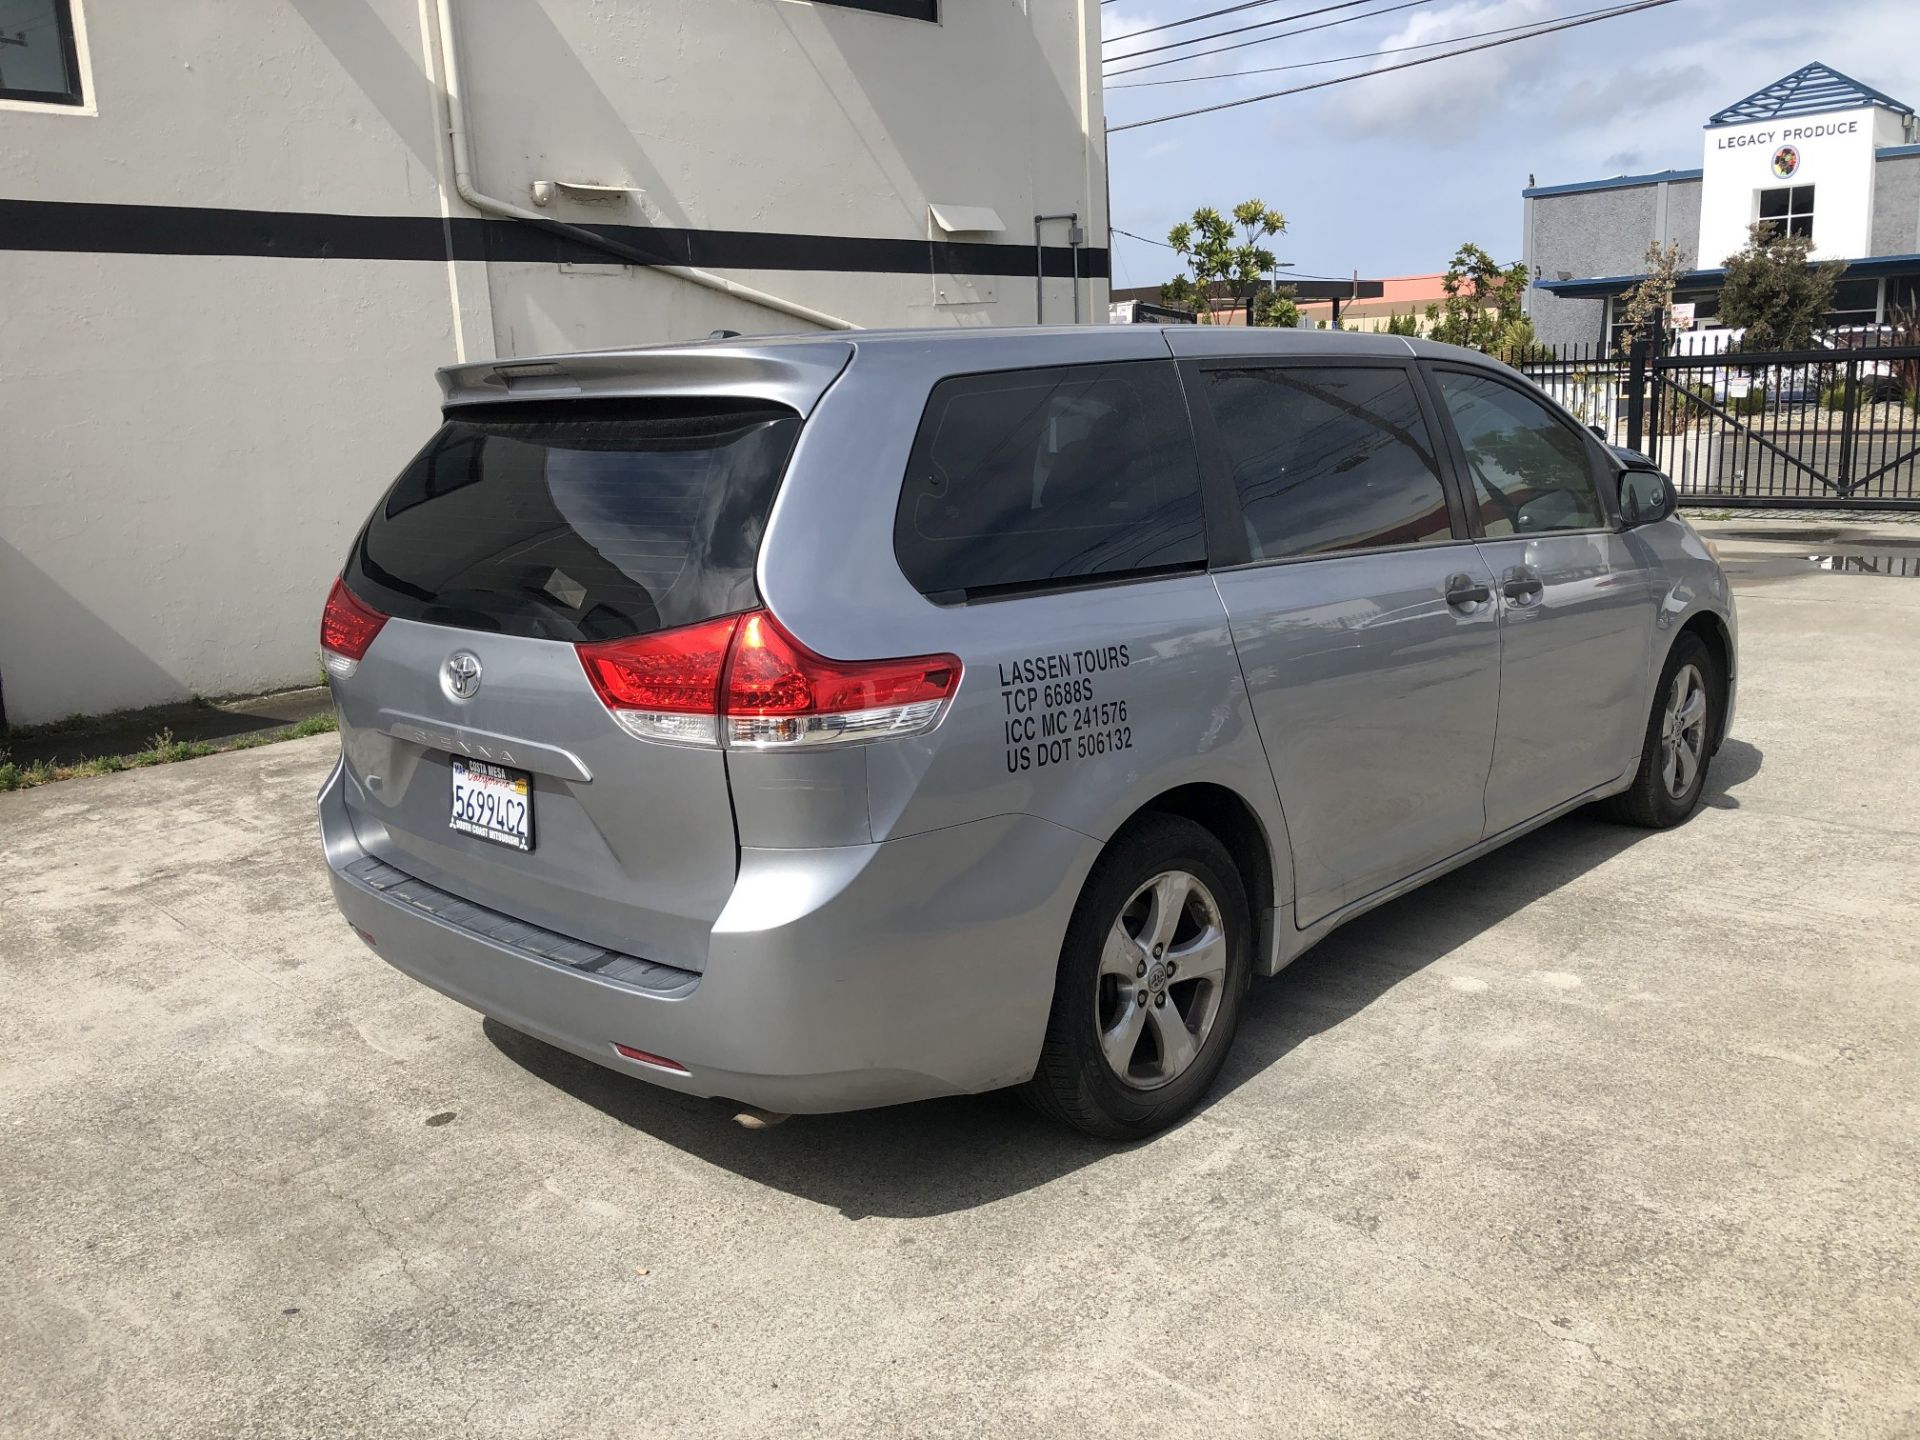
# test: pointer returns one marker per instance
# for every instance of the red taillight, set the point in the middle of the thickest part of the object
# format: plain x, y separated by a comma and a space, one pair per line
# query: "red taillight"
347, 628
767, 688
677, 671
773, 674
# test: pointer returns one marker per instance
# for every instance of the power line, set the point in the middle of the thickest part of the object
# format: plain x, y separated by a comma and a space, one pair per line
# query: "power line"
1211, 14
1291, 274
1144, 240
1363, 55
1244, 29
1260, 40
1387, 69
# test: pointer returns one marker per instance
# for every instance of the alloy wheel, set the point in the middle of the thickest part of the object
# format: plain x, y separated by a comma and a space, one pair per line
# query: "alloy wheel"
1683, 731
1163, 972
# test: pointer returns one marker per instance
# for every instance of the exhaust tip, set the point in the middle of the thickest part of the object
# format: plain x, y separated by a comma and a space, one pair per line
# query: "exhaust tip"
752, 1118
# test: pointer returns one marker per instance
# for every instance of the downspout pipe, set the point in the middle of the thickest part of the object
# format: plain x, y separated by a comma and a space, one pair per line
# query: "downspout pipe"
1074, 238
469, 192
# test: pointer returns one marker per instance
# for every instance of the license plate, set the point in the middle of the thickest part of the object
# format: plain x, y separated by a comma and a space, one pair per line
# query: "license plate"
493, 803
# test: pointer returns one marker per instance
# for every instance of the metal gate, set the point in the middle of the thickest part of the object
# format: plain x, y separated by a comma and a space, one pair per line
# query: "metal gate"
1833, 427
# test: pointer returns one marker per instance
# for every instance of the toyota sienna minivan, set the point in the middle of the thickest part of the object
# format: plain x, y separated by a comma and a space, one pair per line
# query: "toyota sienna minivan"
826, 722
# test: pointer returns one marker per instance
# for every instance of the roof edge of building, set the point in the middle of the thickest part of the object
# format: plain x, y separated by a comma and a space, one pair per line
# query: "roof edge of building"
1616, 182
1600, 286
1664, 177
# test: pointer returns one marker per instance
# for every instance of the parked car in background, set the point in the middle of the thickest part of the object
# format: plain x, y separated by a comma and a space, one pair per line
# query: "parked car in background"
827, 722
1875, 379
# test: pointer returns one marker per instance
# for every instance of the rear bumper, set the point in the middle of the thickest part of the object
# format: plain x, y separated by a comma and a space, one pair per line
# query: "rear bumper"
836, 978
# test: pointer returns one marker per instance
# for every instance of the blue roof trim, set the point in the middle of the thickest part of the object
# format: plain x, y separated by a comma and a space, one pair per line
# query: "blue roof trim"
1597, 287
1658, 177
1809, 90
1618, 182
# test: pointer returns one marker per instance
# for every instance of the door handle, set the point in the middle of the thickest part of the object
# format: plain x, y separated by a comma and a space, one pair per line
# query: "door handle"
1465, 590
1521, 586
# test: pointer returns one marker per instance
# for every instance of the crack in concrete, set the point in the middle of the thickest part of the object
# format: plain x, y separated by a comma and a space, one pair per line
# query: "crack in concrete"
385, 1237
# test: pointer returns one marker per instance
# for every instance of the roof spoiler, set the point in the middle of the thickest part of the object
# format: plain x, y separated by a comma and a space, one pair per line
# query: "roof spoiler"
795, 376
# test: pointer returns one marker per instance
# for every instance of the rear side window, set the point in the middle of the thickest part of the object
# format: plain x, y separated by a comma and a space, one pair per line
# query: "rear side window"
1032, 479
576, 523
1328, 460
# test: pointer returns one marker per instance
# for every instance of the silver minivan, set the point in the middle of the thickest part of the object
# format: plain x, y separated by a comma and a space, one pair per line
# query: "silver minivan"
826, 722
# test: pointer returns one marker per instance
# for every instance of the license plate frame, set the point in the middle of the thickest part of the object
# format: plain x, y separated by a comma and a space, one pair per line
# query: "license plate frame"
483, 797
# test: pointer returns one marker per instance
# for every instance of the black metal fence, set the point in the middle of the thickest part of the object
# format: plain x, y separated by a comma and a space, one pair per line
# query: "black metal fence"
1835, 426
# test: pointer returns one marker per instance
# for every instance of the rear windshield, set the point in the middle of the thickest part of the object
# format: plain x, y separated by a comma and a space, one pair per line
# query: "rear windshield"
590, 525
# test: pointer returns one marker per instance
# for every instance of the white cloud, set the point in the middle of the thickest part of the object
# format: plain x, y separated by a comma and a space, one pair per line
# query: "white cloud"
1116, 21
1450, 99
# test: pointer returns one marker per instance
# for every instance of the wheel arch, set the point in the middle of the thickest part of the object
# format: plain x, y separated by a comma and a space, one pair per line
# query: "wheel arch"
1718, 639
1227, 815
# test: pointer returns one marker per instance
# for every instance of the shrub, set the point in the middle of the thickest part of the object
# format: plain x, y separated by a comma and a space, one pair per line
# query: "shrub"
1754, 402
1834, 396
1682, 407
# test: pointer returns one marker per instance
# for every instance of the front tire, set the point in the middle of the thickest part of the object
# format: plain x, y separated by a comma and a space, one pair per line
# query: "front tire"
1679, 742
1156, 963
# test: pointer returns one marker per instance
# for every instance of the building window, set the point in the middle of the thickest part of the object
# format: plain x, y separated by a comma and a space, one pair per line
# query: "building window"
906, 9
1790, 208
38, 59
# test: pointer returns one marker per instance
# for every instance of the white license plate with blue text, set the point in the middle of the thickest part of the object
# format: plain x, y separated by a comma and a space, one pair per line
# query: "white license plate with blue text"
493, 803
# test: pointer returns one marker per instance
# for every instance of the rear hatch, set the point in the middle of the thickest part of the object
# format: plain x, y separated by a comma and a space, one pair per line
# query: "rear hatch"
479, 756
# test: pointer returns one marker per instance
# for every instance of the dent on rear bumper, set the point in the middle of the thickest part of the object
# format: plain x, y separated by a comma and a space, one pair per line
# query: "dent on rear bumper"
837, 978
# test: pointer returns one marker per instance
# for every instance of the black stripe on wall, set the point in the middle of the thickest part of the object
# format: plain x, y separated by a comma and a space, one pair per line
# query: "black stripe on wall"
193, 230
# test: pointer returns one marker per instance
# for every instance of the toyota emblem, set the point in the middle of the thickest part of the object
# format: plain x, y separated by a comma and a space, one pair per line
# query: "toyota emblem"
463, 674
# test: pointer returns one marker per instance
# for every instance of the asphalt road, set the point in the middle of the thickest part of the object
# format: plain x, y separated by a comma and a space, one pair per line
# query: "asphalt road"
1607, 1135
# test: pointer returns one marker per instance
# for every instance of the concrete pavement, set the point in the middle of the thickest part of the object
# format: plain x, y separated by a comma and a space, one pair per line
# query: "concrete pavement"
1607, 1135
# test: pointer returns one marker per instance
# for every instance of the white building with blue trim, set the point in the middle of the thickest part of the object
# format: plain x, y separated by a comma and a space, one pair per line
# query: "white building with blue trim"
1816, 152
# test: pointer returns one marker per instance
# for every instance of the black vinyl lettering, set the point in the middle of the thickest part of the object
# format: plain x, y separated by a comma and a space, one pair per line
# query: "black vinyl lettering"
1056, 710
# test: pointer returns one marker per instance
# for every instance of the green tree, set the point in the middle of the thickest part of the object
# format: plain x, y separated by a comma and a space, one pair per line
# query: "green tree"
1223, 264
1774, 291
1407, 324
1275, 306
1482, 308
1646, 302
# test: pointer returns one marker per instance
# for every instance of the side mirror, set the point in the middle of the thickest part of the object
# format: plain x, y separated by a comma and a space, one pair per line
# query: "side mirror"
1646, 497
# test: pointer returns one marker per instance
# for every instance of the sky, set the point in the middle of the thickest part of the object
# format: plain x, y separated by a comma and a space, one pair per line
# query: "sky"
1390, 174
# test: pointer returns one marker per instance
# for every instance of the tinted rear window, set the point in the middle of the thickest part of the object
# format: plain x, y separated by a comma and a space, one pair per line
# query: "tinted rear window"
588, 525
1328, 459
1034, 478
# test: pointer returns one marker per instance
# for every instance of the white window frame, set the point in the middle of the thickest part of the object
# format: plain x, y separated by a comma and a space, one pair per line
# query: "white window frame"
1786, 218
83, 62
877, 7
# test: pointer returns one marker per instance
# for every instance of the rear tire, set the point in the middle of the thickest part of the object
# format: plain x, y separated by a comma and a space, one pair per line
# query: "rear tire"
1163, 916
1678, 748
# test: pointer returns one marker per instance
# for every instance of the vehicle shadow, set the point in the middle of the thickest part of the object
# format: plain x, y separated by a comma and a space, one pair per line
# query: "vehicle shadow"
942, 1156
1735, 763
